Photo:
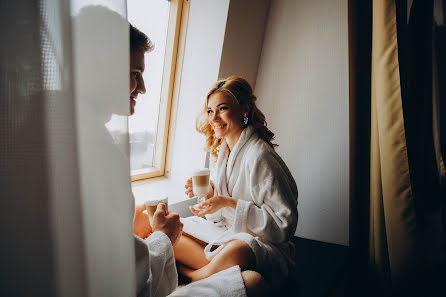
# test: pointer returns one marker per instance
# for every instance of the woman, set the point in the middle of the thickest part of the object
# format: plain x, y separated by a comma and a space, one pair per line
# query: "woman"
254, 195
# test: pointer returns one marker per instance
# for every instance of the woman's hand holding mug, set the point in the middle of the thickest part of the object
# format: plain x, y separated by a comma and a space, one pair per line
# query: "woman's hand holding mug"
190, 191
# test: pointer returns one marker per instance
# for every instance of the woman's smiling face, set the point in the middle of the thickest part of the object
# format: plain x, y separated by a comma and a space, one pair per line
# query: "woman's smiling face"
225, 116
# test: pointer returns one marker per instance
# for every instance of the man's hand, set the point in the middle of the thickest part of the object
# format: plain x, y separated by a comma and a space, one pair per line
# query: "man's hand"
168, 223
141, 223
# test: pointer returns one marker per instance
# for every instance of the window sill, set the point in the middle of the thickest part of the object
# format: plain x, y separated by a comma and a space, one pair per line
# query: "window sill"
142, 190
145, 174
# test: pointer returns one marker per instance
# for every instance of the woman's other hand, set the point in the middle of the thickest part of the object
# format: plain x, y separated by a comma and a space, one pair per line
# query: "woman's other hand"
141, 223
189, 189
213, 204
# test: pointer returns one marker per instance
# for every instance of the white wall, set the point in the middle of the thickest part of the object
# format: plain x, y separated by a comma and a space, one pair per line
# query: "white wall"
302, 86
245, 30
201, 63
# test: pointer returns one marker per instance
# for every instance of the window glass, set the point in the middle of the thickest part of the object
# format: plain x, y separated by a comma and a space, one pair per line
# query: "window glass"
151, 17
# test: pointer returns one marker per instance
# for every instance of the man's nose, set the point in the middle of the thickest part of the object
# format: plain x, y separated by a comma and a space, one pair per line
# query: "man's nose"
141, 88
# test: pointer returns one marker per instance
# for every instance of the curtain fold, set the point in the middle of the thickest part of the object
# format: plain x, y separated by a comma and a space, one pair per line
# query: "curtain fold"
392, 209
439, 107
398, 237
360, 46
66, 204
397, 222
42, 248
419, 104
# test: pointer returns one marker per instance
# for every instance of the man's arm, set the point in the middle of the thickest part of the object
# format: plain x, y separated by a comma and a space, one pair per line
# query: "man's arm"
155, 263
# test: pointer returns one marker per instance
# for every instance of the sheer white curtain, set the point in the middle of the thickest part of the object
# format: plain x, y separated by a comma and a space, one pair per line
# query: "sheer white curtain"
66, 205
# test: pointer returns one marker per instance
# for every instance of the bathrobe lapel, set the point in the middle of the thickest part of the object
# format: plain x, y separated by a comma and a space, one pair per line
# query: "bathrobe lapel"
221, 184
225, 173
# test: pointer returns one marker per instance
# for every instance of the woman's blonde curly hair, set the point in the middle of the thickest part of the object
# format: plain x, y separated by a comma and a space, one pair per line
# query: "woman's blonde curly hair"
239, 89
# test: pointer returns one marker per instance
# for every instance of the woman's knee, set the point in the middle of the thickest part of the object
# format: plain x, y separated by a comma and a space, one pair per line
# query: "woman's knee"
240, 246
241, 253
254, 283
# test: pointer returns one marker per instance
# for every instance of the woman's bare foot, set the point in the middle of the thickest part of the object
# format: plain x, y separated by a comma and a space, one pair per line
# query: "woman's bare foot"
235, 252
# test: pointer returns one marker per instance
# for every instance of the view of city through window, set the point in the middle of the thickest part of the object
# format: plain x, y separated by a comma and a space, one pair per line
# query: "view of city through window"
151, 17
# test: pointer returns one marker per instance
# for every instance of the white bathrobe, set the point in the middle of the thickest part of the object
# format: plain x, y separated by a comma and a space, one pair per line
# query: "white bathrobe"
156, 272
266, 213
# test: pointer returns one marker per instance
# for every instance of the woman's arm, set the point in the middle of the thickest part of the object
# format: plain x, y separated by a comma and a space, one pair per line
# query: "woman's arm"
272, 211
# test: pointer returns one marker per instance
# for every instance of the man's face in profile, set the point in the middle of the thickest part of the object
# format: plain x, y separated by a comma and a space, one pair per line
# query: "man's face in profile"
136, 80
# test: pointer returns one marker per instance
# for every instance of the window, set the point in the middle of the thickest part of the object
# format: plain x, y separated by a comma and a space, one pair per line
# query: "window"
149, 126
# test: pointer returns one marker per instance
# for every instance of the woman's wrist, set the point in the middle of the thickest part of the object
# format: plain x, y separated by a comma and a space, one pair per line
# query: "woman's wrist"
232, 202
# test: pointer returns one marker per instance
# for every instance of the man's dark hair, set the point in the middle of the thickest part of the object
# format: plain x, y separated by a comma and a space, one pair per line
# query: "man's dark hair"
139, 41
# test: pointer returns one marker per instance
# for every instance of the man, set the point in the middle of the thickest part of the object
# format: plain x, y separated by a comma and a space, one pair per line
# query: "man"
155, 262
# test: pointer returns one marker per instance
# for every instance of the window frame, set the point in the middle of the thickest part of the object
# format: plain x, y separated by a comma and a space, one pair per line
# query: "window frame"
176, 31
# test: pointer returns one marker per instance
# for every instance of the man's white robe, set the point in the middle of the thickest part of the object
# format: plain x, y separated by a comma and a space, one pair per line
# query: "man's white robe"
156, 273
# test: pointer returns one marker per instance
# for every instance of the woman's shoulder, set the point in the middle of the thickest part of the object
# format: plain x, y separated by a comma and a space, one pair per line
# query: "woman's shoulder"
260, 150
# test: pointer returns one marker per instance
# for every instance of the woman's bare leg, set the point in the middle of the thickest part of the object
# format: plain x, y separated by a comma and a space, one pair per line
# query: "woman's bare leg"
255, 284
190, 253
235, 252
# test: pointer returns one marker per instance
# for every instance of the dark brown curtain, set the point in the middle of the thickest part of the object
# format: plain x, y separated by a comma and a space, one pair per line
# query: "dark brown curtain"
378, 268
360, 52
422, 66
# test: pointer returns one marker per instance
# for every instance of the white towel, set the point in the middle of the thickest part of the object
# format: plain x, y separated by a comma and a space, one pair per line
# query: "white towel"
226, 283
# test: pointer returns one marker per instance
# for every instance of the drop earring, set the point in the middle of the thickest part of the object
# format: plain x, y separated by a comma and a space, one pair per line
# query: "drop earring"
245, 119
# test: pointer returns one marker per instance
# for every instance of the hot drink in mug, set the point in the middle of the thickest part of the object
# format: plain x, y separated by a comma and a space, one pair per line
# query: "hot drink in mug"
200, 183
152, 204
